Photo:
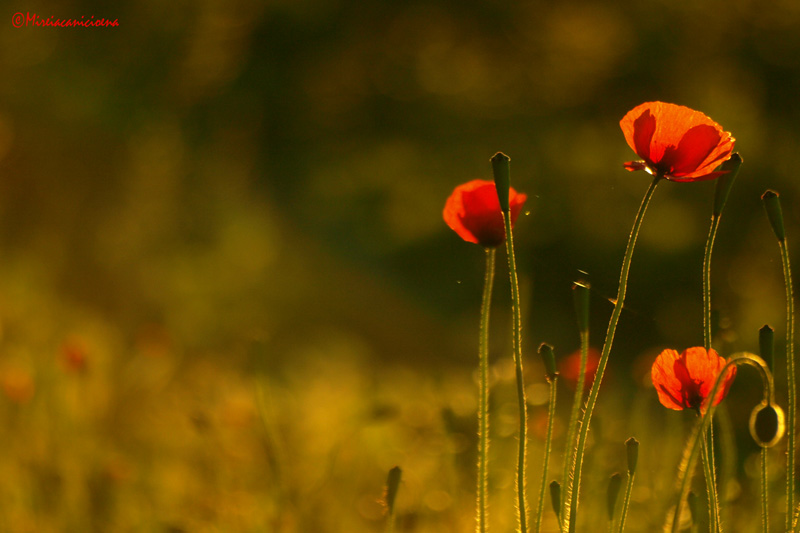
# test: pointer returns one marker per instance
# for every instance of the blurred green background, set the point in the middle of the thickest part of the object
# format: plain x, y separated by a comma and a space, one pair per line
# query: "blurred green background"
228, 301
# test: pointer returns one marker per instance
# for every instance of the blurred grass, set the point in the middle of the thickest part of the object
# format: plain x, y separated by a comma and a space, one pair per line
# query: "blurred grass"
232, 212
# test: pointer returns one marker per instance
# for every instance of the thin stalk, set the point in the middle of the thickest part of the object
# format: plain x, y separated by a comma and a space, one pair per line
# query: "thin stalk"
791, 392
626, 502
709, 463
764, 486
551, 414
708, 471
522, 501
772, 205
721, 192
712, 234
576, 407
483, 407
574, 481
766, 343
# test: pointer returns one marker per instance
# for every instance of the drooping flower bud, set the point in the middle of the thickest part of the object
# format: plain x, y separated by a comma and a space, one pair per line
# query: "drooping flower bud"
767, 424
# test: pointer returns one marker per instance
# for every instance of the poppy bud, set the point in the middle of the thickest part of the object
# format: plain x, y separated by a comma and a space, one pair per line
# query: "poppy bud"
555, 498
772, 203
767, 424
766, 341
392, 486
725, 182
502, 177
632, 450
614, 486
546, 352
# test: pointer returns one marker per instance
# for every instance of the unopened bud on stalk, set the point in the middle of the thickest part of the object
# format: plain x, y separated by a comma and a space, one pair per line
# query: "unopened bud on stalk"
766, 344
555, 498
725, 182
632, 450
614, 486
392, 486
767, 424
772, 203
546, 352
501, 167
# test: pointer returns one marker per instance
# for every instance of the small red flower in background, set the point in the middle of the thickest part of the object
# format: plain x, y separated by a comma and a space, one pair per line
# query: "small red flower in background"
473, 211
73, 356
684, 381
676, 142
569, 368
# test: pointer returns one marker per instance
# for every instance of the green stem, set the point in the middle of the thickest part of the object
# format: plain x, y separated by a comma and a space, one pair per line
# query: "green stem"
708, 471
792, 401
551, 414
522, 501
695, 440
712, 234
709, 467
483, 407
576, 407
764, 486
626, 502
573, 490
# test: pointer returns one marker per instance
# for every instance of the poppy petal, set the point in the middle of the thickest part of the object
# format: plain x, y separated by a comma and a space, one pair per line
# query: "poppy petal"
667, 385
717, 156
638, 126
473, 212
695, 146
684, 381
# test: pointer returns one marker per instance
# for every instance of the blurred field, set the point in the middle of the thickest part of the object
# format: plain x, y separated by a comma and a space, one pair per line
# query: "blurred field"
228, 301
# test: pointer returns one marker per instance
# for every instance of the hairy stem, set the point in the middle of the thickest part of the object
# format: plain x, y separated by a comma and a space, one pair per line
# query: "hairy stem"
791, 392
483, 401
551, 414
573, 490
522, 501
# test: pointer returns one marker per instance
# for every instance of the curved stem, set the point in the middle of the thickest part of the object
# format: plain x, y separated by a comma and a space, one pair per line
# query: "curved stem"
573, 489
551, 414
709, 466
522, 501
712, 234
690, 453
791, 392
483, 401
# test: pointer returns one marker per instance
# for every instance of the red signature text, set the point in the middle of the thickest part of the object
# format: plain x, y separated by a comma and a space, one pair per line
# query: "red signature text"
24, 20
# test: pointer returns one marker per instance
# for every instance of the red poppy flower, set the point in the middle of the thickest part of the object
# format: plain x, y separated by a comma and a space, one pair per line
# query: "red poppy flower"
473, 211
675, 142
684, 381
